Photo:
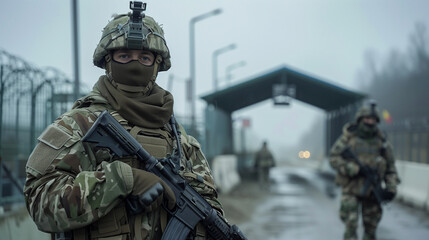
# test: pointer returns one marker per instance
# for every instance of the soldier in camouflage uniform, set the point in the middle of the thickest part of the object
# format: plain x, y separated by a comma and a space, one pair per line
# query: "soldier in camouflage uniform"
264, 161
76, 188
369, 145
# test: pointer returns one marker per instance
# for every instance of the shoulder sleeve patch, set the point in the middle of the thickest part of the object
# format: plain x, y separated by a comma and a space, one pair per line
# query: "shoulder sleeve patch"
50, 143
54, 137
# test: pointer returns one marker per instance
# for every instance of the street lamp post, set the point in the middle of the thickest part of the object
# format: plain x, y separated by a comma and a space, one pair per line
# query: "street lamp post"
75, 48
215, 55
192, 60
232, 67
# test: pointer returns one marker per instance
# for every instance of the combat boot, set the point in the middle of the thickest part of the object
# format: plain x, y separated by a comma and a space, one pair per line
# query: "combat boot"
350, 234
369, 236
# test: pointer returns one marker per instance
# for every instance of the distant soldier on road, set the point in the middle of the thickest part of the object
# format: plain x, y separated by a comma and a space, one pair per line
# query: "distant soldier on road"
362, 153
264, 161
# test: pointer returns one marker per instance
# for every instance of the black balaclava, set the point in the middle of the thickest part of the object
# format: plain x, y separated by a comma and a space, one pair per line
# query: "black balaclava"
132, 77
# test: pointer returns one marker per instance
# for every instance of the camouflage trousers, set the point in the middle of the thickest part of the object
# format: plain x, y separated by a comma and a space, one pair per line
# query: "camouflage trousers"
263, 176
351, 207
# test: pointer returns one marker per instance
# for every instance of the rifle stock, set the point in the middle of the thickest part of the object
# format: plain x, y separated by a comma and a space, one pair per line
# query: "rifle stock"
191, 208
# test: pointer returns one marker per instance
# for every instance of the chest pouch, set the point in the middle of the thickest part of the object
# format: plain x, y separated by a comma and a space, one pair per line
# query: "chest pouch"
157, 142
368, 152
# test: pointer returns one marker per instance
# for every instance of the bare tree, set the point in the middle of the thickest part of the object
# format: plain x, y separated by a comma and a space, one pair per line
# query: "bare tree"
401, 83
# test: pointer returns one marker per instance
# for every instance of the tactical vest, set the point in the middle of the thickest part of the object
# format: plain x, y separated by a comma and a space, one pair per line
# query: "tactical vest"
118, 224
370, 153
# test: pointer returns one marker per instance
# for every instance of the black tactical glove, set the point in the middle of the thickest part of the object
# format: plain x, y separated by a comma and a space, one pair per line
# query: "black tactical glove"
365, 171
347, 154
390, 193
388, 196
148, 192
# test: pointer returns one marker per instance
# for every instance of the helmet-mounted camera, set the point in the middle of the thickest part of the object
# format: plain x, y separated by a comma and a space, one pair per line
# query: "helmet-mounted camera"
373, 106
137, 32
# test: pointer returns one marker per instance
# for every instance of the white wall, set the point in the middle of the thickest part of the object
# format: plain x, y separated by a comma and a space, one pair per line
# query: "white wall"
224, 169
414, 186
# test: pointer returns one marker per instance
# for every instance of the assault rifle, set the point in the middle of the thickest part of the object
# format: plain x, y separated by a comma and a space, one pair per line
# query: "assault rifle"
191, 208
371, 178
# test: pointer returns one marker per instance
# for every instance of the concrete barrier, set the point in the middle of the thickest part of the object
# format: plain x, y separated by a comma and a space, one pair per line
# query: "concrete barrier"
18, 225
414, 187
224, 169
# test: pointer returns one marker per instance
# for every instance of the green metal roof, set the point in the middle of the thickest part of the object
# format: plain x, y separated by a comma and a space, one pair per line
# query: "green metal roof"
309, 89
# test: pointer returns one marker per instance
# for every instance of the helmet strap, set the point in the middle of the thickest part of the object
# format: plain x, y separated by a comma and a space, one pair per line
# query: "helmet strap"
156, 64
107, 65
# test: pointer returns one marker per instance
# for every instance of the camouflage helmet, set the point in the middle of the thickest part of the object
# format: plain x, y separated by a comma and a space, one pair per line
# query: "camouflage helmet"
369, 110
115, 36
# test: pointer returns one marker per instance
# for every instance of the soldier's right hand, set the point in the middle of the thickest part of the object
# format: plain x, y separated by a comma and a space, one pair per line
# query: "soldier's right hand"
389, 193
149, 192
388, 196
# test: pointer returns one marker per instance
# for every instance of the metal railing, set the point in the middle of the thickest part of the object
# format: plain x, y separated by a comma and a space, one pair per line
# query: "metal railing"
410, 139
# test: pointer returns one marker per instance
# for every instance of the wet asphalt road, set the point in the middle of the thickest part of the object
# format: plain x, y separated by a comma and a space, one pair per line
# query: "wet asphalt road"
301, 205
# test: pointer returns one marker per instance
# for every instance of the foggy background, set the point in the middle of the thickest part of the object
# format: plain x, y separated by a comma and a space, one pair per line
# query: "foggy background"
375, 47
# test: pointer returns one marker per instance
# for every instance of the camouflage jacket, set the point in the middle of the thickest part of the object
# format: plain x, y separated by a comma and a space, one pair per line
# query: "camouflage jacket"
375, 152
70, 185
264, 159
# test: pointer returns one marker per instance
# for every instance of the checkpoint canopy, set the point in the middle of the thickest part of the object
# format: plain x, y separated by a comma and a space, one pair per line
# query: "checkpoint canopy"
340, 104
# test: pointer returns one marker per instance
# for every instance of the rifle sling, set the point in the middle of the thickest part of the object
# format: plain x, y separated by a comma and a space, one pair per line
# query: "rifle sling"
198, 178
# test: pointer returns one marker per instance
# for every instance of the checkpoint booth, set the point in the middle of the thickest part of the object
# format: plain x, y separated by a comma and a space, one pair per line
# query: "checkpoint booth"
280, 84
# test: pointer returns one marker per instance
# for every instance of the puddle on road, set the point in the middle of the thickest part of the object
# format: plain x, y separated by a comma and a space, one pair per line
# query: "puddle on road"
296, 179
287, 184
297, 208
281, 216
286, 210
286, 190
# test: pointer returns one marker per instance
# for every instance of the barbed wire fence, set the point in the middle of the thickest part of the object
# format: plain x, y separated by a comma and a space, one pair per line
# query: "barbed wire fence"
30, 99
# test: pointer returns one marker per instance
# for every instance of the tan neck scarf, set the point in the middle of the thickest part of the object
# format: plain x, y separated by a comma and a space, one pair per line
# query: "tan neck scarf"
150, 111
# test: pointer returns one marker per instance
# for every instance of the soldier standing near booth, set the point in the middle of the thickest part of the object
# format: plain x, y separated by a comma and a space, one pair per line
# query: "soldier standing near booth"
364, 162
264, 161
77, 190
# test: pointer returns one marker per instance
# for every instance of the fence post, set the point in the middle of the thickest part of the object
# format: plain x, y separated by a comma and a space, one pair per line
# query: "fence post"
1, 106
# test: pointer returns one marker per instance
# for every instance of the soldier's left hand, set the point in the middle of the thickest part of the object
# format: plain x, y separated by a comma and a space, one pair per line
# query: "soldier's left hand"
389, 196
